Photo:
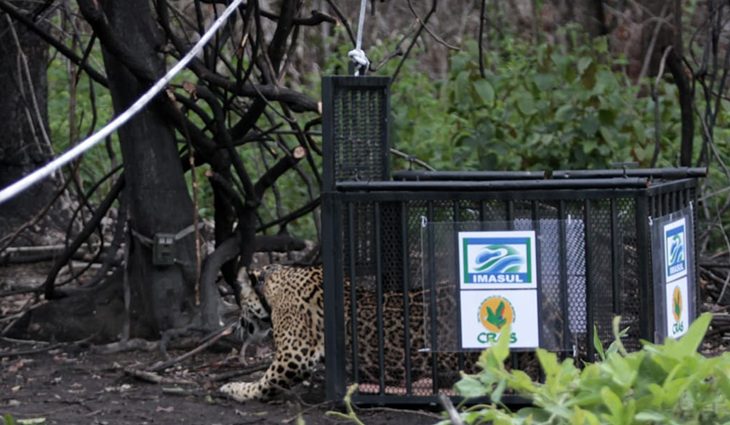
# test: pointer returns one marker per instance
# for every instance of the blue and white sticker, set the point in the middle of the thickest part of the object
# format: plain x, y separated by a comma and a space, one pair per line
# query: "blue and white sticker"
497, 260
675, 250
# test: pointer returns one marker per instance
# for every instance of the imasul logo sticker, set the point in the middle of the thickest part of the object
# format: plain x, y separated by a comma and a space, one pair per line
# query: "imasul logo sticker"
675, 250
497, 259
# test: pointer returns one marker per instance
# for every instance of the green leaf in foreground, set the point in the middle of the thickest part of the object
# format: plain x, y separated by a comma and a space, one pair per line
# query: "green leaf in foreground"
667, 383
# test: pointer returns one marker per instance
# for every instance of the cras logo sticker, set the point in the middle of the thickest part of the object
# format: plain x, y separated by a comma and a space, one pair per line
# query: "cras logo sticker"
504, 259
496, 313
677, 304
487, 314
675, 250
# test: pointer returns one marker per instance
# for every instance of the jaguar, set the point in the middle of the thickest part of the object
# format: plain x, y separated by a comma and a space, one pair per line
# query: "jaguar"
289, 300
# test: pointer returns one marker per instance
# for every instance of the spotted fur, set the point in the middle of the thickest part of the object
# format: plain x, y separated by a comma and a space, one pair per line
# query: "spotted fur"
293, 298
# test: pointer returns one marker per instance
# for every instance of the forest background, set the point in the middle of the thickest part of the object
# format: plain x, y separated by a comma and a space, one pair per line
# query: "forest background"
235, 141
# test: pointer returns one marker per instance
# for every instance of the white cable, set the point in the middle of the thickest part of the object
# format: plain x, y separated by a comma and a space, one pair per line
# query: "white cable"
357, 55
85, 145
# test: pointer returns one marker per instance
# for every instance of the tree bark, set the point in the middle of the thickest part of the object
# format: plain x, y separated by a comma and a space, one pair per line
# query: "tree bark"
162, 297
24, 140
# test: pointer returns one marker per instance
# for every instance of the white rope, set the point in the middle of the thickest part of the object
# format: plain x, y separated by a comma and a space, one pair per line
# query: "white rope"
97, 137
357, 55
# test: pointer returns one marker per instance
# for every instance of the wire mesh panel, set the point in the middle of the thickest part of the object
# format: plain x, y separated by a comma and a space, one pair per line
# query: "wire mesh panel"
397, 285
355, 117
391, 295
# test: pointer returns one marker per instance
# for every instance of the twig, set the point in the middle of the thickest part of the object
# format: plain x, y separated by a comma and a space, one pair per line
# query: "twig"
482, 18
128, 345
343, 21
24, 309
652, 43
182, 391
655, 97
450, 410
428, 30
307, 410
157, 379
28, 352
423, 23
225, 331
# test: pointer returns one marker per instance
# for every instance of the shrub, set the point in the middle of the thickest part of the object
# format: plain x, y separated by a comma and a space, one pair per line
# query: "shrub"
669, 383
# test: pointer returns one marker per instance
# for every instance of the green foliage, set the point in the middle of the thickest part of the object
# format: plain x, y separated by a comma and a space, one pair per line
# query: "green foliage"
8, 419
538, 107
661, 384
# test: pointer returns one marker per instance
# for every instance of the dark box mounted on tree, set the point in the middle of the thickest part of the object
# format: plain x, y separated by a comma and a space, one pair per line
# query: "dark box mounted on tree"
389, 245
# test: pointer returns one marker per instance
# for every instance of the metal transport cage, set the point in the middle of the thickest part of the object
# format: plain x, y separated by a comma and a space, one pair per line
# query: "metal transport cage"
389, 251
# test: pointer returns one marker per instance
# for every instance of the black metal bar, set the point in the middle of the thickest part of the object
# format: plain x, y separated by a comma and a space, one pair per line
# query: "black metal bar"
510, 215
643, 248
433, 400
353, 293
406, 301
616, 247
671, 186
334, 312
502, 196
535, 217
482, 213
412, 175
563, 270
385, 134
682, 199
456, 293
660, 173
590, 305
379, 295
432, 298
360, 82
470, 186
328, 149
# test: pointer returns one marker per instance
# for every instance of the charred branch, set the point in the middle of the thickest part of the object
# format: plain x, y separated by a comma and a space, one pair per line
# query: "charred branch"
53, 41
89, 228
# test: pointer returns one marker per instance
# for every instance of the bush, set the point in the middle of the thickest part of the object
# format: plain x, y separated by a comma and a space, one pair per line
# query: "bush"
661, 384
538, 107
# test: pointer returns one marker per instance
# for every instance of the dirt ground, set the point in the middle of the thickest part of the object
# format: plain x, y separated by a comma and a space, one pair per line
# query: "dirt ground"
74, 385
70, 384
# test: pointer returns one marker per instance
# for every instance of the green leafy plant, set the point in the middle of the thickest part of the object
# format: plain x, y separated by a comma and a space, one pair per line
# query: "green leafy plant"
668, 383
538, 106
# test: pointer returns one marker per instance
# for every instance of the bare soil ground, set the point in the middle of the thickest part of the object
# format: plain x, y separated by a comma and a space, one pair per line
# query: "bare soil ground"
48, 383
74, 385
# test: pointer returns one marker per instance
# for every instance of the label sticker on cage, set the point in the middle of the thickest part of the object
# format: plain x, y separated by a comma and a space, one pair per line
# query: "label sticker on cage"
484, 314
497, 260
675, 250
677, 296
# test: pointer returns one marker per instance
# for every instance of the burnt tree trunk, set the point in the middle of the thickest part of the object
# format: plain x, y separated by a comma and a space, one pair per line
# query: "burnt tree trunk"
163, 297
24, 140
